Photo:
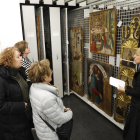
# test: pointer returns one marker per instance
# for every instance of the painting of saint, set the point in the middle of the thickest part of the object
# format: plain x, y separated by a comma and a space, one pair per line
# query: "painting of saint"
103, 31
127, 57
76, 59
99, 90
127, 80
96, 84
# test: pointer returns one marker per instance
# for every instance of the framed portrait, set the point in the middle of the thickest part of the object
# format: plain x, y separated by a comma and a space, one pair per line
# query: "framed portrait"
103, 31
99, 89
76, 60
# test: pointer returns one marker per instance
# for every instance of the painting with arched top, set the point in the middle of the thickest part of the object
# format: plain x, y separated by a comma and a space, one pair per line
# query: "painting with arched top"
98, 87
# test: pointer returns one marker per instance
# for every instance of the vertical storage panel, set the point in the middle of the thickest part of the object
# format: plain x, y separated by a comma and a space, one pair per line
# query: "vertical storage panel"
30, 31
56, 47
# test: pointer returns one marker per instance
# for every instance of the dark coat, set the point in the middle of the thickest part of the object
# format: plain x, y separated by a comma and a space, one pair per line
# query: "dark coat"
132, 126
13, 121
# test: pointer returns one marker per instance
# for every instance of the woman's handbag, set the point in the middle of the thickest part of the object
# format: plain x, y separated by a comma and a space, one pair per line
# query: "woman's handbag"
28, 112
63, 132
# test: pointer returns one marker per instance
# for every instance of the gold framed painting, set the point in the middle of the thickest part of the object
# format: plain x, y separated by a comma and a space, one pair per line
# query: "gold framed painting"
128, 49
103, 31
122, 100
129, 45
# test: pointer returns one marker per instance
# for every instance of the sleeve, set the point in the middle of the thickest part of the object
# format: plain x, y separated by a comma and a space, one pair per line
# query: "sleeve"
53, 111
24, 63
135, 91
95, 91
9, 107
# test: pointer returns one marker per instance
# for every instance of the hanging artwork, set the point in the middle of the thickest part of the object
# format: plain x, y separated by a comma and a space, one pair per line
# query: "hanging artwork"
103, 31
76, 59
99, 89
129, 45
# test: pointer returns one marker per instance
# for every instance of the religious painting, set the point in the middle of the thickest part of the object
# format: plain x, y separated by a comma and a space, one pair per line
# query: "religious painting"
127, 56
76, 59
122, 100
121, 108
129, 45
127, 80
103, 31
99, 89
128, 50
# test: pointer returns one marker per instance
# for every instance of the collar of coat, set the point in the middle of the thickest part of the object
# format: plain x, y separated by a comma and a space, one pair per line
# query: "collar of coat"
5, 73
46, 87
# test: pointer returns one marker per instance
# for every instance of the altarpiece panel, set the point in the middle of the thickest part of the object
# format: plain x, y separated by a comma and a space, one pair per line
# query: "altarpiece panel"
129, 45
99, 89
103, 31
76, 57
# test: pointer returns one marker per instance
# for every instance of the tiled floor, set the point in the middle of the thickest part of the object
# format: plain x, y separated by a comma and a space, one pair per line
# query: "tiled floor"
88, 123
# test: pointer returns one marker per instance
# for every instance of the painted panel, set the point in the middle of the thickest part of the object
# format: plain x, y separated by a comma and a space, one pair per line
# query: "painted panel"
76, 48
103, 31
99, 89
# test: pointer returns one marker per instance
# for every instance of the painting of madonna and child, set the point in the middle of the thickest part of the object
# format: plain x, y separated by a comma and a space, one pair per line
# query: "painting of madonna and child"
99, 89
103, 31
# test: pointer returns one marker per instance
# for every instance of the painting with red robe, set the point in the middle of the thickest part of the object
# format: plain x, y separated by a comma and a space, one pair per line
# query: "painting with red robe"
99, 89
103, 31
76, 59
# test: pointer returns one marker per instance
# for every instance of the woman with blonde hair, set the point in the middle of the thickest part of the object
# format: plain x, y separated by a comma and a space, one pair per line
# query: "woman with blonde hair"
132, 126
14, 97
47, 106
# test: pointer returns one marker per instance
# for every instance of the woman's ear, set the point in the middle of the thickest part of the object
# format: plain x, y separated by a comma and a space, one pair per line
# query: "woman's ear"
46, 78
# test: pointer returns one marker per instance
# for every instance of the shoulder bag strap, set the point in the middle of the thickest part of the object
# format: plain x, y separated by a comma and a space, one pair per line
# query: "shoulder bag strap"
48, 124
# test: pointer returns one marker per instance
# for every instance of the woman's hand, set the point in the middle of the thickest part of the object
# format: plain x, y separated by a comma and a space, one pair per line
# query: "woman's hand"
25, 104
121, 89
66, 109
100, 96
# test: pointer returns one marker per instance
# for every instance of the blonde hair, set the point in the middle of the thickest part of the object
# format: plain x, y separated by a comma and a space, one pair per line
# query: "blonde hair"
38, 71
7, 56
22, 45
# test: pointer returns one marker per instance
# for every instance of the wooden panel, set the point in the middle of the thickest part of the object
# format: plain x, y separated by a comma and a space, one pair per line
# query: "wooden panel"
76, 46
38, 37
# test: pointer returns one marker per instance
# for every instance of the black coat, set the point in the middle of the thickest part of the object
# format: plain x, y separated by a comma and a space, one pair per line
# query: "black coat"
132, 126
13, 122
